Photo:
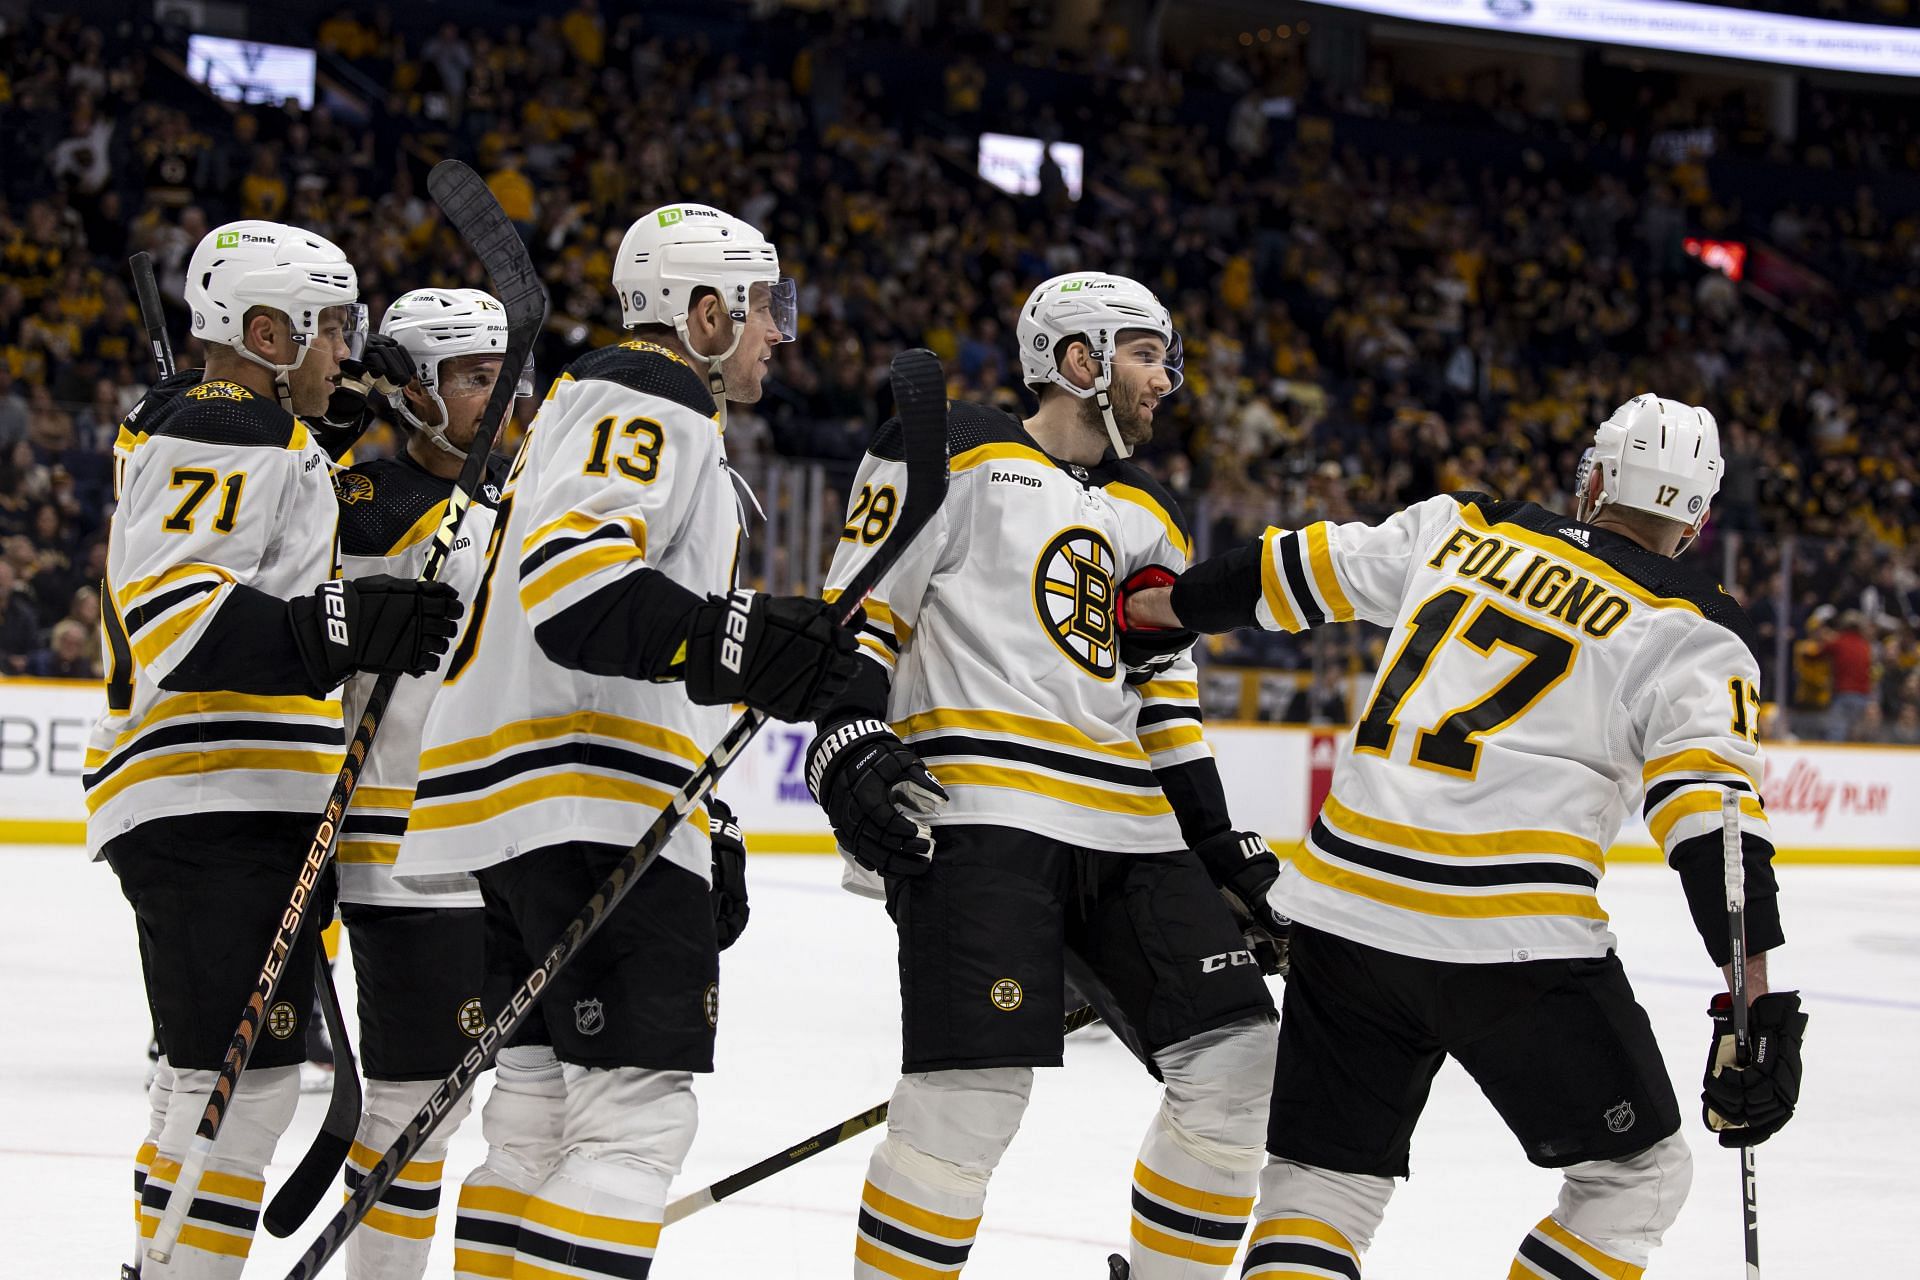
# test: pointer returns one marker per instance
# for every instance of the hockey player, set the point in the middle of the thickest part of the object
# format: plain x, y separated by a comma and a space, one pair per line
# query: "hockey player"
1030, 781
595, 676
418, 953
227, 633
1545, 671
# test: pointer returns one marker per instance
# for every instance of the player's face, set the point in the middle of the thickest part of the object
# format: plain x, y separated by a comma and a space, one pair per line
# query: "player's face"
313, 382
1141, 379
466, 384
746, 369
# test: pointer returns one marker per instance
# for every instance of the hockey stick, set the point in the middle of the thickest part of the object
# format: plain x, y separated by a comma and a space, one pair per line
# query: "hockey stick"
463, 196
919, 386
1734, 864
147, 291
688, 1205
308, 1183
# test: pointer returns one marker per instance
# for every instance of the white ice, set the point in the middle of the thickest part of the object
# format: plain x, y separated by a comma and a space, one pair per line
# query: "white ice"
808, 1036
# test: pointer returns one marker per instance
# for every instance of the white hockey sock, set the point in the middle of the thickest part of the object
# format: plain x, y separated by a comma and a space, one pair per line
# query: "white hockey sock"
1550, 1251
219, 1230
393, 1241
918, 1216
521, 1122
594, 1219
1313, 1222
1188, 1215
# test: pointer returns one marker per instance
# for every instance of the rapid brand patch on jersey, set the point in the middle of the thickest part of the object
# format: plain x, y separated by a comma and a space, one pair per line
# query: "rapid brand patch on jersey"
353, 487
1073, 595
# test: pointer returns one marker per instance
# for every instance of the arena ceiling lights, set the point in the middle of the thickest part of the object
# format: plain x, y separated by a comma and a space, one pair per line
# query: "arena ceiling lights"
1708, 30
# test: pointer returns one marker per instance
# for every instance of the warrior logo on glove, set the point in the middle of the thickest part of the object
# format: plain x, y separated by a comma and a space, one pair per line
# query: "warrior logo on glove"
1073, 592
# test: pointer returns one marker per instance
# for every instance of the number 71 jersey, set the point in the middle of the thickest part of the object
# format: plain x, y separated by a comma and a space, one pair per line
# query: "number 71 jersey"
1542, 675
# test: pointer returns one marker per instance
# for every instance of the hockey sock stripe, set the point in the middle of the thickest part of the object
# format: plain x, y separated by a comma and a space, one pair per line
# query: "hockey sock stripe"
1276, 1258
1304, 1229
1179, 1247
886, 1233
1179, 1193
1555, 1252
468, 1229
594, 1228
142, 1162
413, 1199
484, 1266
924, 1221
580, 1260
1168, 1218
524, 1270
867, 1253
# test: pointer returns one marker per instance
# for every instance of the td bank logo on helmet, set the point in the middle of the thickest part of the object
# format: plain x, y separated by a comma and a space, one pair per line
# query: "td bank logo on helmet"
669, 217
234, 239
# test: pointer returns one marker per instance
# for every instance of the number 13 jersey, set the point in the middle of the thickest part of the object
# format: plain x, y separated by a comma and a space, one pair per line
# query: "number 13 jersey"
1542, 674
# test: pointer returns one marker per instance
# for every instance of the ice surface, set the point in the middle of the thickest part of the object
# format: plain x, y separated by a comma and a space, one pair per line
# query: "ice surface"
808, 1036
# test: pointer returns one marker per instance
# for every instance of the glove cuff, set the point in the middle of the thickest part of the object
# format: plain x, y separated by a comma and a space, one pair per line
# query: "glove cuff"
833, 743
323, 632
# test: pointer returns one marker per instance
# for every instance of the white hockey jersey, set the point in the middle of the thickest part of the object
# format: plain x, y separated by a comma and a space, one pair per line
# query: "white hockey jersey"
1542, 676
221, 493
997, 630
623, 470
389, 511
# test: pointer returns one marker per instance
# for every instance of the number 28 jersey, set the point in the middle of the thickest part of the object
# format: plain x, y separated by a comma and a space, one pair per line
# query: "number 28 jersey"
1542, 674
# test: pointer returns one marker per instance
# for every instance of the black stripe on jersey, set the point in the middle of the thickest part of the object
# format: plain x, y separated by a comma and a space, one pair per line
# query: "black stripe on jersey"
1548, 1259
911, 1242
584, 1257
591, 755
1449, 873
216, 734
1184, 1222
1297, 584
140, 615
489, 1231
1092, 767
560, 546
419, 1199
1166, 712
1669, 784
1270, 1252
373, 824
886, 638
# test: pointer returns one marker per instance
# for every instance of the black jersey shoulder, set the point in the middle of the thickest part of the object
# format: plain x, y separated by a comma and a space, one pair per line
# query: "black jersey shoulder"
1659, 575
381, 500
1119, 471
650, 369
969, 425
216, 411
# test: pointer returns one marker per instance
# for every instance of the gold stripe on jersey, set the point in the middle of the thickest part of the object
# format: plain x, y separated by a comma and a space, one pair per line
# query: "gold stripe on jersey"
1458, 845
1325, 578
581, 523
1665, 816
1146, 501
568, 568
1457, 905
1273, 592
1050, 787
1567, 551
597, 724
1005, 451
1015, 725
425, 527
158, 636
1172, 690
1696, 761
431, 815
367, 853
182, 705
128, 595
1171, 737
204, 761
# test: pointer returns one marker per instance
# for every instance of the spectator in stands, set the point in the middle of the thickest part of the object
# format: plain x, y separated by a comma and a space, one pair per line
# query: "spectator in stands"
19, 623
1850, 655
13, 411
71, 654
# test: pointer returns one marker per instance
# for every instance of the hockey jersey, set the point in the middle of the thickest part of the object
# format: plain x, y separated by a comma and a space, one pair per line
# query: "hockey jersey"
1541, 677
390, 509
997, 630
623, 471
225, 511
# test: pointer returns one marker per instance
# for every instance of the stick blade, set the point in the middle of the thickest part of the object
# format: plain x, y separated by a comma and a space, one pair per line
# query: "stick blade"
302, 1192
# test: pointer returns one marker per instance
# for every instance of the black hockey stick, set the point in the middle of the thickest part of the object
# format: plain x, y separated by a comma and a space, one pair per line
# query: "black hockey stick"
147, 291
1733, 863
919, 387
851, 1127
308, 1183
463, 196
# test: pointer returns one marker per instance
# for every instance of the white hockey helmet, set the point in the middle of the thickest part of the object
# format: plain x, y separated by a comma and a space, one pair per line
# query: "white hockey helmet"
669, 253
435, 325
1093, 307
254, 263
1657, 456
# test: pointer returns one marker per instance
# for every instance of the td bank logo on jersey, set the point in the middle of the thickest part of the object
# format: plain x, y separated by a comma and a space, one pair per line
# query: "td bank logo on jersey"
1073, 596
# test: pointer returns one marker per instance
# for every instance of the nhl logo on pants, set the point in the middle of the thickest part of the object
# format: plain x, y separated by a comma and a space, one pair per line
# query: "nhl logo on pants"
588, 1017
1619, 1118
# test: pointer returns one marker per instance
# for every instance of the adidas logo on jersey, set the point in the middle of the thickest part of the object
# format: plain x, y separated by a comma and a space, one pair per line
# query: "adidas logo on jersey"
1581, 536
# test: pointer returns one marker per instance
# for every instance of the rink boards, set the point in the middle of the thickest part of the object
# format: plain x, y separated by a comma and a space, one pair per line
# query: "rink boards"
1828, 802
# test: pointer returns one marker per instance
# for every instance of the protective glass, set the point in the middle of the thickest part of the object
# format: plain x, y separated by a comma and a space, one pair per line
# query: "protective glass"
783, 299
480, 379
353, 327
1174, 361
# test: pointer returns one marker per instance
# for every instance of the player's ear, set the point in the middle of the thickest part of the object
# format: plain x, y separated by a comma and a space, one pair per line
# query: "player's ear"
420, 402
262, 326
1076, 362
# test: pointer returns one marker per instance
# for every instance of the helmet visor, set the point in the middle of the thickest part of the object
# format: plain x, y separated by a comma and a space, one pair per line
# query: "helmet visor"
352, 319
782, 300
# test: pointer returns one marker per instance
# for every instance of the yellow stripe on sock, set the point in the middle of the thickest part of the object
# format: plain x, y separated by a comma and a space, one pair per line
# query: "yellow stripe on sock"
592, 1226
501, 1200
1175, 1247
395, 1224
892, 1264
1306, 1228
1603, 1263
922, 1220
417, 1171
209, 1241
1524, 1270
1186, 1197
491, 1266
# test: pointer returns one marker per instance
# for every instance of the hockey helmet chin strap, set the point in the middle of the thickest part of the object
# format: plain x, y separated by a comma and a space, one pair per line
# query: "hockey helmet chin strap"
716, 373
281, 372
436, 432
1100, 393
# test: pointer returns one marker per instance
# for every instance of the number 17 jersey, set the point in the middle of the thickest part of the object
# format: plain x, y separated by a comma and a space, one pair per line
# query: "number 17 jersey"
1542, 675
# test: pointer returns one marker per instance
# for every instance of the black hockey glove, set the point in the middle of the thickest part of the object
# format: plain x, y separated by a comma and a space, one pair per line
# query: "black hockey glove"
784, 655
1747, 1105
877, 795
384, 368
1240, 863
729, 873
1146, 652
376, 623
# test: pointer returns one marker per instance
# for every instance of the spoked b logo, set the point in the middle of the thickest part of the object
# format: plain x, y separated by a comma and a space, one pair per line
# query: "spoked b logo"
1073, 595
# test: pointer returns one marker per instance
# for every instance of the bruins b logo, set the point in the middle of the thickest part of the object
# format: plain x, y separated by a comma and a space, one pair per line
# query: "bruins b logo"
1073, 593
